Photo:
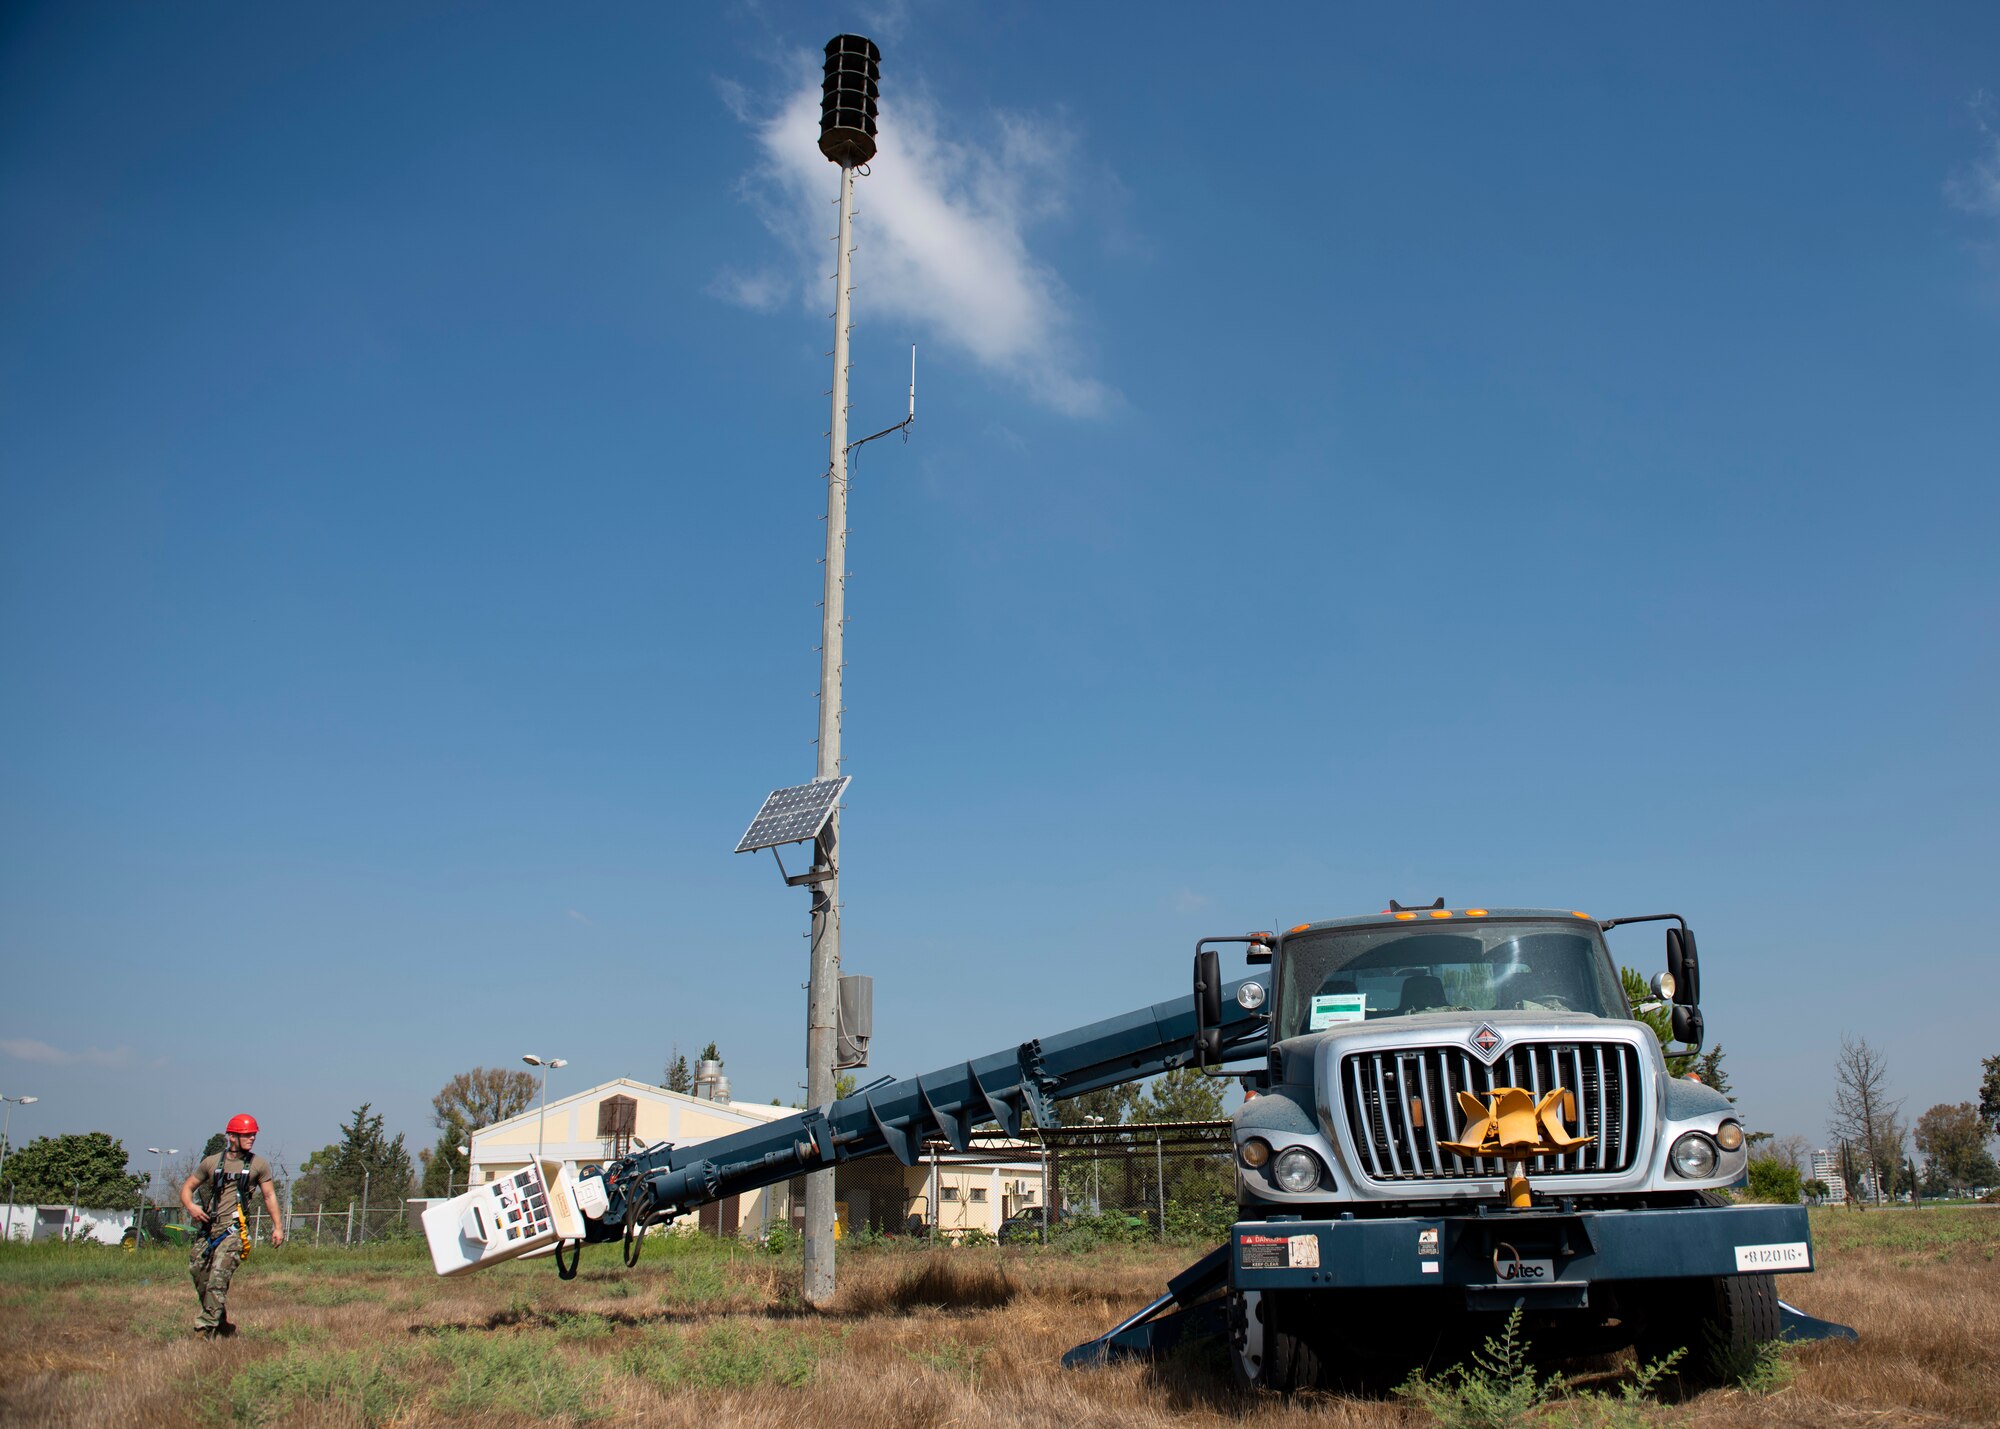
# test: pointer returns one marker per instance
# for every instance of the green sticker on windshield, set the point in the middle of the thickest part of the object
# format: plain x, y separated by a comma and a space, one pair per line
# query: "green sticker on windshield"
1330, 1008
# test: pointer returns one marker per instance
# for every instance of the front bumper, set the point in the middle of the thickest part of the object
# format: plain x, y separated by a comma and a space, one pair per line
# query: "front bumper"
1548, 1257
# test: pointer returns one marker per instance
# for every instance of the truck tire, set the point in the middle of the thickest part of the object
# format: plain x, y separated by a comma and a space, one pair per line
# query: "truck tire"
1290, 1363
1263, 1353
1721, 1322
1745, 1316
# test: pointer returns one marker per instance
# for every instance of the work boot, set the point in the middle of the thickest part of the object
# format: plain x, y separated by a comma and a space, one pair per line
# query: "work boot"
225, 1328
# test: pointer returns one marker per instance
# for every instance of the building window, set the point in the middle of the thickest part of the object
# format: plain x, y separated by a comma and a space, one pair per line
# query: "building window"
979, 1195
948, 1193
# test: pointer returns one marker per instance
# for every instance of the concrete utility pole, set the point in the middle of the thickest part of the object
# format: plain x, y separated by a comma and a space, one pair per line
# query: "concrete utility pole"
847, 138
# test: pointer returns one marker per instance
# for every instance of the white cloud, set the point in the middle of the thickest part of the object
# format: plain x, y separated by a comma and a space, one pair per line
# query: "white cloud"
1975, 188
27, 1049
1185, 901
941, 236
764, 291
580, 917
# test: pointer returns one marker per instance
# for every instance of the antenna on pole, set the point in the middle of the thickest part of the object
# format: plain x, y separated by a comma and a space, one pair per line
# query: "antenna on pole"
904, 425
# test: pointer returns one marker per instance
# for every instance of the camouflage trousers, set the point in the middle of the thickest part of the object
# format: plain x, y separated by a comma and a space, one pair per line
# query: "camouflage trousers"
212, 1264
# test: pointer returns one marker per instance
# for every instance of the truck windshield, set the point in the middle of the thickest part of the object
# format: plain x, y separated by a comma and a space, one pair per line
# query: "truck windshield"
1361, 974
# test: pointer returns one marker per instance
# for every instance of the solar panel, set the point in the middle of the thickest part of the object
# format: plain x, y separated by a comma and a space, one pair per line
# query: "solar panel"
793, 815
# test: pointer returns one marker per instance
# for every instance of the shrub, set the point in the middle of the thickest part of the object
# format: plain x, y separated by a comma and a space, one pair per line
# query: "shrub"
1497, 1389
1200, 1222
1775, 1180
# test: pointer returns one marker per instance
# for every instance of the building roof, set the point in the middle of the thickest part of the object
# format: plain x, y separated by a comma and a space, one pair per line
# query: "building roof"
624, 1086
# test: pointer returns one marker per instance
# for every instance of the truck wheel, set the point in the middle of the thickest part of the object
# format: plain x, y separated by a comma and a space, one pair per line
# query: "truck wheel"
1265, 1354
1722, 1322
1744, 1316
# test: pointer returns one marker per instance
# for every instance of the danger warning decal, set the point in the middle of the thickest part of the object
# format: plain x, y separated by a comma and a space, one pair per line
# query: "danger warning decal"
1278, 1252
1265, 1252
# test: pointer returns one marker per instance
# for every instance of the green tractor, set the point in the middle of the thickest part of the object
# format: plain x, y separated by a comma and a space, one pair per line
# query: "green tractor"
154, 1228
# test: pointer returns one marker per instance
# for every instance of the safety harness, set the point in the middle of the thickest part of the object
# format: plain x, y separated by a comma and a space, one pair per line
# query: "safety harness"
219, 1182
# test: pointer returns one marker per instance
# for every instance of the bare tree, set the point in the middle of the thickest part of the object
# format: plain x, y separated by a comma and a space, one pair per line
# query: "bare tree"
1863, 1115
1794, 1151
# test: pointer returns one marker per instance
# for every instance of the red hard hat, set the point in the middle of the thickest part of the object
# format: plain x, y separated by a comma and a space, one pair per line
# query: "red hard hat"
243, 1124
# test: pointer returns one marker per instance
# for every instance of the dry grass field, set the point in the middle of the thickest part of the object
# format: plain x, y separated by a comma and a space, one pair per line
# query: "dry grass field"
712, 1336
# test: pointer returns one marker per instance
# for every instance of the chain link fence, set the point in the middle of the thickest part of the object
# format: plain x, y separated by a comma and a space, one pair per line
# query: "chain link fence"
1074, 1185
1077, 1186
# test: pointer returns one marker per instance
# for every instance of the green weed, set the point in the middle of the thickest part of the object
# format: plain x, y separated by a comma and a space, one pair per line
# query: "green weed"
502, 1373
579, 1325
954, 1358
272, 1390
1760, 1369
725, 1357
1497, 1388
691, 1282
1630, 1409
291, 1335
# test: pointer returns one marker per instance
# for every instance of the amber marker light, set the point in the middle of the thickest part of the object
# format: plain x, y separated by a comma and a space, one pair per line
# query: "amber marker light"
1404, 917
1475, 912
1574, 914
1300, 929
1440, 913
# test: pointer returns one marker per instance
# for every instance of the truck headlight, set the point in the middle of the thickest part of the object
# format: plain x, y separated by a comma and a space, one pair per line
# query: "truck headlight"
1296, 1170
1256, 1151
1694, 1156
1729, 1135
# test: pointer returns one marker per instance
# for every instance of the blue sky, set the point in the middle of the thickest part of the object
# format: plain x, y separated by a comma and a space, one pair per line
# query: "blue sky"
1536, 460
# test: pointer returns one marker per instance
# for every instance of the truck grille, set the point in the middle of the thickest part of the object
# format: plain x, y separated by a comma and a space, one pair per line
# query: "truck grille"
1402, 1103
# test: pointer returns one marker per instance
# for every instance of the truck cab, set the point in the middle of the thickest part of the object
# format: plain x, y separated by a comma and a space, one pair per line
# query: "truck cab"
1379, 1024
1380, 1204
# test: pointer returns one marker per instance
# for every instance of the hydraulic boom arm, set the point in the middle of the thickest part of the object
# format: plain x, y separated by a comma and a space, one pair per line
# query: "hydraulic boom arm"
662, 1181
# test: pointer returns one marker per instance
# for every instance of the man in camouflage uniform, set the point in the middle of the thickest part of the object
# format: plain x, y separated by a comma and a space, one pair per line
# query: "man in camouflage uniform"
223, 1181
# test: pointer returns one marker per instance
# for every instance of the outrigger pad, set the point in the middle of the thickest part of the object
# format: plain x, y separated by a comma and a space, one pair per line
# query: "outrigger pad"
1190, 1310
1795, 1324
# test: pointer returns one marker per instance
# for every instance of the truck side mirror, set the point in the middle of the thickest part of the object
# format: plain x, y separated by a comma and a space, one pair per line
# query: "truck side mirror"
1208, 1005
1685, 966
1687, 1026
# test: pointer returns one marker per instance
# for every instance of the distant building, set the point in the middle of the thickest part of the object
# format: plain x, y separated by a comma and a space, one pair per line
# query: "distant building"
1826, 1168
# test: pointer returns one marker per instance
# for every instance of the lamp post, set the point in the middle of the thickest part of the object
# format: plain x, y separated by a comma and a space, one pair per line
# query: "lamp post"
138, 1217
1096, 1155
451, 1166
7, 1126
547, 1064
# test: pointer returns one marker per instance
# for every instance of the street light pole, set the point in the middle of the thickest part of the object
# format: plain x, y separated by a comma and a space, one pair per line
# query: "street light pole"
547, 1064
139, 1216
7, 1125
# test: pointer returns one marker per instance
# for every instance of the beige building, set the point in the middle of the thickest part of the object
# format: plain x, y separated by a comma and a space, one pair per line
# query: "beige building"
607, 1120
